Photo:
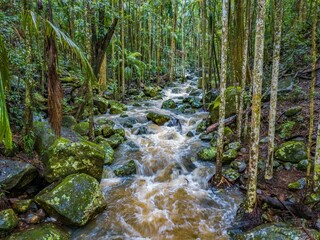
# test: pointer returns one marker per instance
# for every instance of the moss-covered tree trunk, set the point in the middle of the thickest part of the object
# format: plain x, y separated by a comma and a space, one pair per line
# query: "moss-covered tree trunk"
274, 89
204, 51
251, 196
123, 83
223, 85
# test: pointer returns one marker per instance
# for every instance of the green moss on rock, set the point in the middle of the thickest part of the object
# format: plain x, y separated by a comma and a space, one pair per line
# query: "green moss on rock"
292, 152
21, 206
44, 138
298, 185
108, 151
208, 154
229, 156
101, 103
82, 128
68, 121
115, 140
286, 129
8, 220
157, 118
74, 200
231, 174
107, 130
169, 104
293, 111
126, 170
66, 157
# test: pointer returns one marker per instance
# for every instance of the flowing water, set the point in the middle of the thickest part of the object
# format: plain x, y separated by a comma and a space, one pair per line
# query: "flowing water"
169, 197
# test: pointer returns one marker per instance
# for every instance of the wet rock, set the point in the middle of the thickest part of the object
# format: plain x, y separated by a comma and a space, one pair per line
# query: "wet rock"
303, 165
8, 221
115, 140
151, 91
68, 121
126, 170
128, 122
109, 152
190, 134
117, 107
229, 156
169, 104
286, 129
207, 154
104, 121
231, 94
231, 174
202, 126
234, 145
195, 92
16, 174
107, 131
101, 103
21, 206
240, 166
298, 185
82, 128
141, 130
276, 231
157, 118
120, 131
74, 200
288, 166
66, 157
292, 111
165, 174
206, 137
44, 138
292, 152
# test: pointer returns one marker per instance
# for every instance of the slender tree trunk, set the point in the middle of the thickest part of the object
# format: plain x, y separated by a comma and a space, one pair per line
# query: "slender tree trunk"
251, 197
223, 85
122, 51
173, 41
274, 90
316, 174
204, 52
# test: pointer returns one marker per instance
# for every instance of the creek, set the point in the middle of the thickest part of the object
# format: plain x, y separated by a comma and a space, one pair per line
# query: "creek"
169, 197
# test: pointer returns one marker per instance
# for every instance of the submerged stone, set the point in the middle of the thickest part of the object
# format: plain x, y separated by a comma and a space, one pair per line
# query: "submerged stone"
48, 231
157, 118
292, 152
74, 200
66, 157
126, 170
16, 174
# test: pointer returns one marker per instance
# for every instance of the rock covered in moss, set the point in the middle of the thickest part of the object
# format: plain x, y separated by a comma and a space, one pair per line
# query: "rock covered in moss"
157, 118
240, 166
46, 231
120, 131
126, 170
101, 103
303, 165
169, 104
208, 154
115, 140
68, 121
66, 157
74, 200
292, 152
231, 174
16, 174
286, 129
229, 156
298, 185
107, 130
279, 231
151, 91
234, 145
8, 220
82, 128
108, 151
21, 206
117, 107
231, 94
44, 138
292, 111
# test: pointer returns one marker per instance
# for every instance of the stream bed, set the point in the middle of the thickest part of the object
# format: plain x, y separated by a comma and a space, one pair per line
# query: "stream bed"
169, 197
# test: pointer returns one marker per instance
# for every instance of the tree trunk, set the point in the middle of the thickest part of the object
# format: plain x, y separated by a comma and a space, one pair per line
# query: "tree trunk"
204, 52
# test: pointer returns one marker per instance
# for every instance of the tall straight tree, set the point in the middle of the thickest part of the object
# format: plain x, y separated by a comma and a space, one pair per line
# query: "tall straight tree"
251, 196
204, 51
223, 85
122, 51
173, 39
274, 88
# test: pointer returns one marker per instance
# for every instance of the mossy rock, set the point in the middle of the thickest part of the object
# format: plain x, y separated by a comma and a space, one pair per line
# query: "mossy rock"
234, 145
169, 104
157, 118
240, 166
82, 128
108, 151
16, 174
120, 131
126, 170
104, 121
117, 107
151, 91
74, 200
293, 111
101, 103
115, 140
8, 221
21, 206
68, 121
208, 154
202, 126
66, 157
48, 231
303, 165
231, 174
298, 185
229, 156
231, 104
276, 231
286, 129
44, 138
199, 84
107, 130
292, 152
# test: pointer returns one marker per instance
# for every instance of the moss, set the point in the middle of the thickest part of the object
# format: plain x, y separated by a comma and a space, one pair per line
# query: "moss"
21, 206
44, 138
120, 131
115, 140
108, 151
74, 200
229, 156
8, 220
169, 104
101, 103
298, 185
208, 154
303, 165
151, 91
292, 152
82, 128
47, 231
107, 130
231, 174
68, 121
126, 170
286, 129
159, 119
292, 111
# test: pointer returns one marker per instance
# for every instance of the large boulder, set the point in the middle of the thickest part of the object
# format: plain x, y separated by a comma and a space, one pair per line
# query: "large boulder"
16, 174
41, 232
232, 93
292, 152
66, 157
157, 118
8, 221
74, 200
279, 231
101, 103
